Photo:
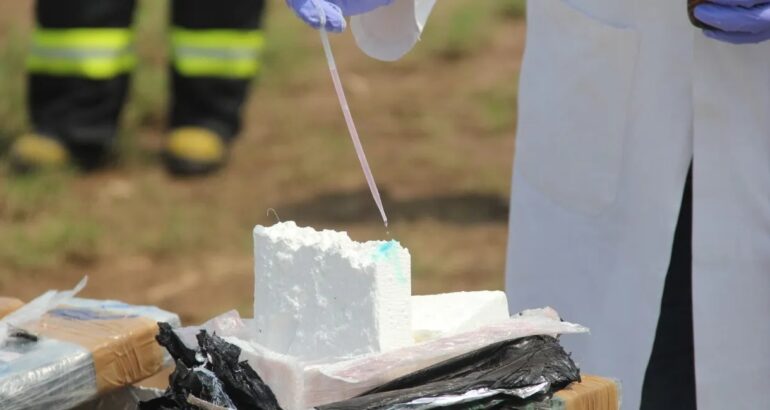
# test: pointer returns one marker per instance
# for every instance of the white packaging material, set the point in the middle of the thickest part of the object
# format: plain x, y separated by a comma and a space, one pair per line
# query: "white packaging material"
300, 385
121, 308
321, 295
38, 307
446, 314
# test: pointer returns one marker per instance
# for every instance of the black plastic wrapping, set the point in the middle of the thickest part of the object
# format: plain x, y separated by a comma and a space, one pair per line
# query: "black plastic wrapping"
241, 383
213, 374
168, 339
502, 375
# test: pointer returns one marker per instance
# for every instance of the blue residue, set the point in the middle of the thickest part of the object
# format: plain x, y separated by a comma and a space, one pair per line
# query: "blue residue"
88, 314
385, 252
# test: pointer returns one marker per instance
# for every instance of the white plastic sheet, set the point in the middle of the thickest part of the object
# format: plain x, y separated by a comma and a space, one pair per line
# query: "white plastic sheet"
38, 307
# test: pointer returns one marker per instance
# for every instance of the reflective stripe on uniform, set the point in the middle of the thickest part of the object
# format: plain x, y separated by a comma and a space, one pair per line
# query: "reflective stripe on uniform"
220, 53
94, 53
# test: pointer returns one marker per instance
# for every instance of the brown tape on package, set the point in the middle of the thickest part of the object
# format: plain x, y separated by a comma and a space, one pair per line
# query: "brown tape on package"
8, 305
123, 348
593, 393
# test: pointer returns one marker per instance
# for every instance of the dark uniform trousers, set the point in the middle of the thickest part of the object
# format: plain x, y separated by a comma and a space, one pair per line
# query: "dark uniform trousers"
670, 379
82, 55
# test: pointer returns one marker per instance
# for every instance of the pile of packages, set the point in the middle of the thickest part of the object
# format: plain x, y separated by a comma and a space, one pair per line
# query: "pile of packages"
335, 327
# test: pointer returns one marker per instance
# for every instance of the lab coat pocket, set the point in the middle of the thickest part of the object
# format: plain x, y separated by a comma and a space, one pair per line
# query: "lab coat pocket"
574, 98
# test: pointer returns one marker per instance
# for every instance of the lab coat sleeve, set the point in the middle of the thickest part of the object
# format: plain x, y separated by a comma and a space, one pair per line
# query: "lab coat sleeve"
389, 32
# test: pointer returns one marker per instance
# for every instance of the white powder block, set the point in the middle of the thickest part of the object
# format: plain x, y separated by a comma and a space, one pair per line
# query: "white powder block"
321, 295
436, 316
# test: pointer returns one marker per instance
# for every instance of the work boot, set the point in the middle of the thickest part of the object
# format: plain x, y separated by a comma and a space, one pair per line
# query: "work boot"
34, 152
194, 151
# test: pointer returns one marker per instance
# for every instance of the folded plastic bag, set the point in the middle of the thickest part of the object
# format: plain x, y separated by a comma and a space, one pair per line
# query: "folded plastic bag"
507, 373
331, 382
37, 308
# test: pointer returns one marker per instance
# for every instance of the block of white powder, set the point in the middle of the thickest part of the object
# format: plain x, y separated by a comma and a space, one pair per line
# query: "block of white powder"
321, 295
436, 316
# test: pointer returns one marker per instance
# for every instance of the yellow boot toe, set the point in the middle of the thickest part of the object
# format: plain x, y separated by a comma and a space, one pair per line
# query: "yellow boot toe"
193, 151
32, 152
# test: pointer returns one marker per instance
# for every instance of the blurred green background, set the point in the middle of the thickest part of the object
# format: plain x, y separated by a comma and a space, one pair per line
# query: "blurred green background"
437, 126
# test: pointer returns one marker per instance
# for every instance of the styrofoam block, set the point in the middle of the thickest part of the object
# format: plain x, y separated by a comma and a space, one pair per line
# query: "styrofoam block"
320, 295
435, 316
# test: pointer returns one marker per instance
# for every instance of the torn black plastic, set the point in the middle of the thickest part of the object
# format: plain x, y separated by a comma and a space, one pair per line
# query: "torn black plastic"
503, 375
168, 339
213, 374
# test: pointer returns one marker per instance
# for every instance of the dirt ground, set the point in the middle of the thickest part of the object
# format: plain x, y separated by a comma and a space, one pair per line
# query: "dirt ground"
438, 128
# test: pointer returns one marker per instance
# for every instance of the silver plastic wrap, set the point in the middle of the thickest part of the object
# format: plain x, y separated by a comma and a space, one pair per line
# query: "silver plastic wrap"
45, 375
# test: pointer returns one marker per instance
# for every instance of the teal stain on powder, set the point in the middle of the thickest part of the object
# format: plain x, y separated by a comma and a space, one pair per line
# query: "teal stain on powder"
386, 252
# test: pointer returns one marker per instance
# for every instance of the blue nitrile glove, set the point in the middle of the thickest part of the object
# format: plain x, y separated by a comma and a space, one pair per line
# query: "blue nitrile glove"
353, 7
736, 21
334, 11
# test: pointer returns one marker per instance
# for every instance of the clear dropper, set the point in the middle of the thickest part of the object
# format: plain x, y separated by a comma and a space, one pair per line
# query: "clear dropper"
346, 113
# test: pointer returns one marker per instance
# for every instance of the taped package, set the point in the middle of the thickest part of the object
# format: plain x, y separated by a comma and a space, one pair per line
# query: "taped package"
78, 351
8, 305
592, 393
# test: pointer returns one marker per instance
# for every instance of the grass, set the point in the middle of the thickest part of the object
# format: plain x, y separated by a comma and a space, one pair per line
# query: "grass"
51, 242
512, 8
179, 231
43, 225
462, 31
286, 52
13, 118
148, 96
497, 107
26, 196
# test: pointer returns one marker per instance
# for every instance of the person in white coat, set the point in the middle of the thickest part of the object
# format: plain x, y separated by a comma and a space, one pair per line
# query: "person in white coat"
619, 102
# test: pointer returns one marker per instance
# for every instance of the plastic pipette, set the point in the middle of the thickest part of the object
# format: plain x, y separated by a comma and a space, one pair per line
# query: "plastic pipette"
348, 117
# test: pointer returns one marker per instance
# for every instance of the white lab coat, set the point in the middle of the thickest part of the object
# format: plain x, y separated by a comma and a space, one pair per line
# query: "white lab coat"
616, 98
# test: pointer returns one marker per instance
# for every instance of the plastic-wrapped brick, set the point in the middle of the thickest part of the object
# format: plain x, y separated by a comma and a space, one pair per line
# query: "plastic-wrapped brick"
78, 351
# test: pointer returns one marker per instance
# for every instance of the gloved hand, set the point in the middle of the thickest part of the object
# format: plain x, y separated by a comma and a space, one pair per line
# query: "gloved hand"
736, 21
334, 10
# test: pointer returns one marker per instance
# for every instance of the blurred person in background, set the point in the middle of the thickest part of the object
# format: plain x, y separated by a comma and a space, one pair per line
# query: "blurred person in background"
79, 65
641, 186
